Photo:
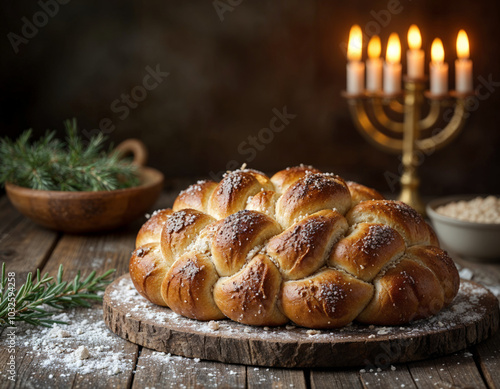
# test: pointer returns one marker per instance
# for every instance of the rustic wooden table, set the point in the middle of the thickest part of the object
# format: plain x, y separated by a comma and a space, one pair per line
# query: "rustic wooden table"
25, 247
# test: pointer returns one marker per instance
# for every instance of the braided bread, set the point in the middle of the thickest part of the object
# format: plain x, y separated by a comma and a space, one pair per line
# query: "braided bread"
301, 246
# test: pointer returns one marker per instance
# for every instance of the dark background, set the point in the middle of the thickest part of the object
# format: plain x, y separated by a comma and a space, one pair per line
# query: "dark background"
226, 76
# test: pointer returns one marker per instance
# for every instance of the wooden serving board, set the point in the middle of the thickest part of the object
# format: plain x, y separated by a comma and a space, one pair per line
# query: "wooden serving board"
472, 318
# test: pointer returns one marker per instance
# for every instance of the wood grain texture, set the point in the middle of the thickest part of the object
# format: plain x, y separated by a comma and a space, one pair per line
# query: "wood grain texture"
165, 331
31, 372
159, 370
92, 252
24, 247
382, 379
84, 253
488, 357
263, 378
8, 215
341, 379
454, 371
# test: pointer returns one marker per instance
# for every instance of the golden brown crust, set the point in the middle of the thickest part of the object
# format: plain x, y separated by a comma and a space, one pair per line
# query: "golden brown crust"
264, 201
151, 230
396, 214
409, 291
250, 296
433, 239
187, 287
147, 269
303, 248
329, 299
180, 230
236, 236
361, 193
367, 249
264, 180
195, 196
312, 193
284, 178
443, 267
232, 193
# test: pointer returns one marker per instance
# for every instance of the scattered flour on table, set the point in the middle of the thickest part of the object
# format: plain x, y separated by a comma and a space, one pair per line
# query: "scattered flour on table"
84, 346
465, 309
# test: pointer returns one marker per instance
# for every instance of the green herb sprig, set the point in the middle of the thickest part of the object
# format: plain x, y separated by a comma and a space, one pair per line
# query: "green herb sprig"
73, 165
29, 303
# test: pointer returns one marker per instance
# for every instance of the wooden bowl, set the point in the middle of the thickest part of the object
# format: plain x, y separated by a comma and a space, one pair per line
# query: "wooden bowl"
78, 212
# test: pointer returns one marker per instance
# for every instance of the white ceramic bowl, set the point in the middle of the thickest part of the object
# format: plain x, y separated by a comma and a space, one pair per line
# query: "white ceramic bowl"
469, 239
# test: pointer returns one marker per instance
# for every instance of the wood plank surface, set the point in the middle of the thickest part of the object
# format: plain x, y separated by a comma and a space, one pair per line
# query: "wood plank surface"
341, 379
488, 357
455, 371
8, 215
396, 377
24, 247
92, 252
160, 370
33, 372
272, 378
84, 253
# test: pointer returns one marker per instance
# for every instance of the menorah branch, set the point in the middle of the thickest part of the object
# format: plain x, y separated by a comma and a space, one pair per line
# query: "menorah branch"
382, 118
369, 131
432, 117
447, 134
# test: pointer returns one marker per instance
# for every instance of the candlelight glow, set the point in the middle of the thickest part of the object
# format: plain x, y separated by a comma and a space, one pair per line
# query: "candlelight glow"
414, 38
393, 49
374, 47
355, 44
462, 45
437, 51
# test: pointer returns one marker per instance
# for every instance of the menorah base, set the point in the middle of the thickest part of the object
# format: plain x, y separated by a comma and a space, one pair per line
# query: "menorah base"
409, 192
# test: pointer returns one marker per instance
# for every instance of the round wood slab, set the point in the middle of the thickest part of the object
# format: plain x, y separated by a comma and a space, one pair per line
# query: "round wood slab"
473, 317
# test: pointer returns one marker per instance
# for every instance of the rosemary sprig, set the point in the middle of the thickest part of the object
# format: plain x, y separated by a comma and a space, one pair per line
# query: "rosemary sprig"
73, 165
29, 303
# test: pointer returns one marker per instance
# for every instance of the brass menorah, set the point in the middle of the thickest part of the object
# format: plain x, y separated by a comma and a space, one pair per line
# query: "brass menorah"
411, 135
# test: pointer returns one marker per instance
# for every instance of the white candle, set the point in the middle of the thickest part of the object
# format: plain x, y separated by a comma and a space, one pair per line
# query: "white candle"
355, 68
392, 66
463, 65
374, 66
438, 69
415, 57
355, 77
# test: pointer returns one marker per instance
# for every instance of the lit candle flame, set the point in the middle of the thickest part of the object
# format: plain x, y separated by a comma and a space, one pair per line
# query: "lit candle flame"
437, 51
462, 45
355, 44
374, 47
393, 49
414, 38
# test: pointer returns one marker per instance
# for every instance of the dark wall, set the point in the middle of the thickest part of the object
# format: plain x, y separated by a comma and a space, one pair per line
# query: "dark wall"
229, 74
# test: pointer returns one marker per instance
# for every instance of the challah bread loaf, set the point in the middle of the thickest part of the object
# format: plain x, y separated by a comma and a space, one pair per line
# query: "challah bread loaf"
301, 246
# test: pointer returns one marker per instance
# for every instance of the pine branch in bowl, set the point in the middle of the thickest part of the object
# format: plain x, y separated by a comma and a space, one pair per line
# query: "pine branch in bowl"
76, 186
70, 165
